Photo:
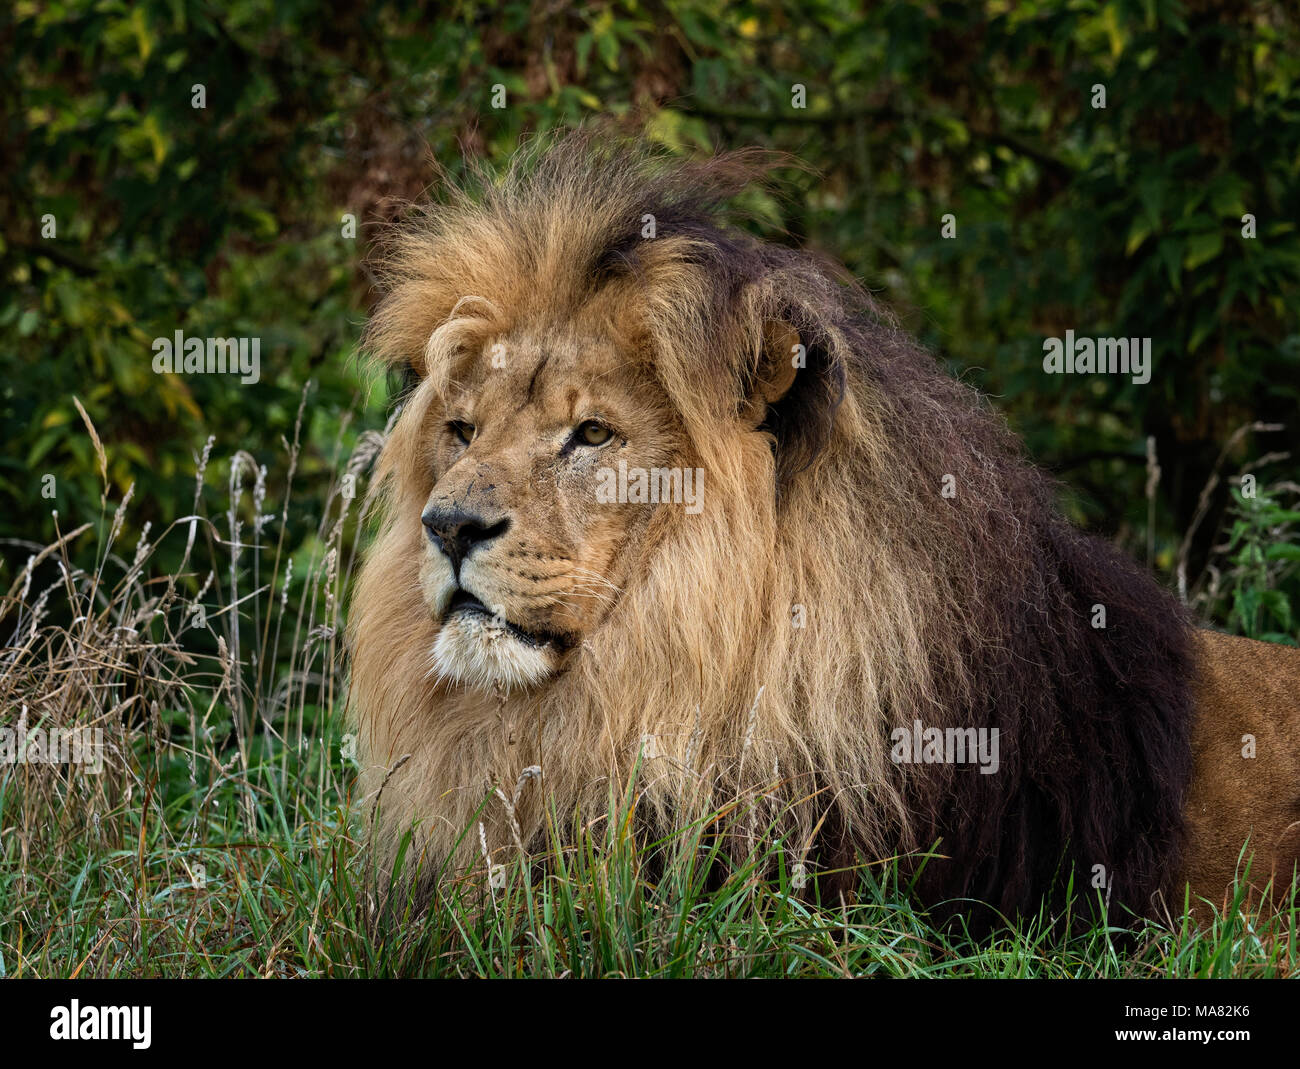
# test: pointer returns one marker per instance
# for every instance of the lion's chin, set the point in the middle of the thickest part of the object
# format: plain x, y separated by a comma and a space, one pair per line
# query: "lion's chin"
477, 653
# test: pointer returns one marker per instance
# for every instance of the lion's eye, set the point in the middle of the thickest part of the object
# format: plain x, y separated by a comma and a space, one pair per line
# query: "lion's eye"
462, 430
593, 433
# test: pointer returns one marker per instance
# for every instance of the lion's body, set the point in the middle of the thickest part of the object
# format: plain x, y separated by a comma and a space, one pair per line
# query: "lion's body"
872, 555
1246, 776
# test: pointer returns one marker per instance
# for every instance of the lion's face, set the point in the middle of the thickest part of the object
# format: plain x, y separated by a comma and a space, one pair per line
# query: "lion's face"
524, 551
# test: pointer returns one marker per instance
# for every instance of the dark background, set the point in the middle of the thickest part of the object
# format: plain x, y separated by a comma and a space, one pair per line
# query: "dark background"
227, 220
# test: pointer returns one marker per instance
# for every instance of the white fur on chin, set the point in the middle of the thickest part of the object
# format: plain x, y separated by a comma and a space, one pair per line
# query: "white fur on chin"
478, 653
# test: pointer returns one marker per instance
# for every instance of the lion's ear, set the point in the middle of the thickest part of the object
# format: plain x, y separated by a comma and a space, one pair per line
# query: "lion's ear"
779, 362
793, 391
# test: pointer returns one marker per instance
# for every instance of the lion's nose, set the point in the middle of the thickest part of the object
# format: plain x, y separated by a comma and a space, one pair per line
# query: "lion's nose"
456, 532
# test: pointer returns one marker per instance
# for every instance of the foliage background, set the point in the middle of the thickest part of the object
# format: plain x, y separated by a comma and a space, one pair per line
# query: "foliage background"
227, 221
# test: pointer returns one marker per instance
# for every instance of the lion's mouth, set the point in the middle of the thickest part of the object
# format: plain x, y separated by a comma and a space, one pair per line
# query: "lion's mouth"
466, 604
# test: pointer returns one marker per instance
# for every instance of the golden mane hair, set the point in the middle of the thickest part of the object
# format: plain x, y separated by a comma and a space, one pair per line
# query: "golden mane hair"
829, 594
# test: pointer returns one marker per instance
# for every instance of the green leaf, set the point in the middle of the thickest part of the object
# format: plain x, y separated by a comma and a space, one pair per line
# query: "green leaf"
1138, 232
1202, 248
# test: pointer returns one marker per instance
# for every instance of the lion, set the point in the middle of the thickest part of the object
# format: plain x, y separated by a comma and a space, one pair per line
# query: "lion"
670, 506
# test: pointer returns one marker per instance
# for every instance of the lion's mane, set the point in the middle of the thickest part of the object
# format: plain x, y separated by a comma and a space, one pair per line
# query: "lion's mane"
974, 610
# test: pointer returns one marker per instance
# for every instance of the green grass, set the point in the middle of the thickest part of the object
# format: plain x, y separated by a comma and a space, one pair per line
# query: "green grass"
184, 885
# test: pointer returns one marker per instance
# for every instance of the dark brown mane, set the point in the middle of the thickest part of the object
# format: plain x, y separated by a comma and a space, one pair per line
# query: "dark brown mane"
1095, 722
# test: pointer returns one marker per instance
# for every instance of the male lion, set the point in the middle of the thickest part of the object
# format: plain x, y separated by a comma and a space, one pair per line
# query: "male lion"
665, 503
